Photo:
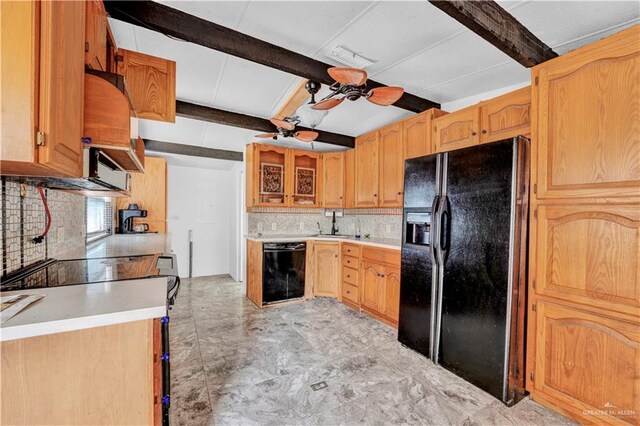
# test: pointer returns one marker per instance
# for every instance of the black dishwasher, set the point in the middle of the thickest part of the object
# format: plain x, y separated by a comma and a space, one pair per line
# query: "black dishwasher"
283, 271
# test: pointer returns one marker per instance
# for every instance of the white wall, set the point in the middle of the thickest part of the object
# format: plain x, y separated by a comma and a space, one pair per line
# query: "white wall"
236, 224
471, 100
203, 200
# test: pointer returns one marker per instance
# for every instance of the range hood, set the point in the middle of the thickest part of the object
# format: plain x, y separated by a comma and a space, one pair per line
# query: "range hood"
102, 176
108, 121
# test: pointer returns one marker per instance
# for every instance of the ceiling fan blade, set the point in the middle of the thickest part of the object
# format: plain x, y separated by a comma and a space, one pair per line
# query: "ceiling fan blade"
327, 104
266, 135
306, 135
349, 76
282, 124
385, 96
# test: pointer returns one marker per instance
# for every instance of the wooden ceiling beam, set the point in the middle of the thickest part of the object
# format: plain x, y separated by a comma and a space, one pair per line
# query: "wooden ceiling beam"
191, 150
294, 101
497, 26
178, 24
228, 118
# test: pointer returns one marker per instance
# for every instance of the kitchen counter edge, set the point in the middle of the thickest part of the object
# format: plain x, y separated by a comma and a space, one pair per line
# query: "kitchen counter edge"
373, 242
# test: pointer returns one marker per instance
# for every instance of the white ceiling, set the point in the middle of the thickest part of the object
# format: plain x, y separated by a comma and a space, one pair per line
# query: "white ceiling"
413, 44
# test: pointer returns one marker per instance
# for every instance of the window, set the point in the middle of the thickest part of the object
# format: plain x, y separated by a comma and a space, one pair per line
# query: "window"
99, 218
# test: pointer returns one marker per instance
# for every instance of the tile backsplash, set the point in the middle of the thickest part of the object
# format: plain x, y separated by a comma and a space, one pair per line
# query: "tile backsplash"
23, 218
376, 225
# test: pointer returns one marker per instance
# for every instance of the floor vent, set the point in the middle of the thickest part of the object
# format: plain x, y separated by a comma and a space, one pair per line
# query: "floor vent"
319, 385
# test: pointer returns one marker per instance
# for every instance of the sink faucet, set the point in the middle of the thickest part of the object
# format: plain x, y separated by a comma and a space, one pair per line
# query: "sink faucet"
319, 229
334, 228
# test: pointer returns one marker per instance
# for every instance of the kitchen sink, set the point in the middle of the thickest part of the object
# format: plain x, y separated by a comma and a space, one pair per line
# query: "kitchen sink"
332, 236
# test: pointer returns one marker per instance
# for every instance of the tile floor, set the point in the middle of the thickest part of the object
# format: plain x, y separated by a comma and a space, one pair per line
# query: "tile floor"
235, 364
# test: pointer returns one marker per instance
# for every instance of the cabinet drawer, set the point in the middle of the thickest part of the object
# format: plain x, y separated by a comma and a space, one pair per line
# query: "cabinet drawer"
350, 292
351, 262
382, 255
350, 275
351, 249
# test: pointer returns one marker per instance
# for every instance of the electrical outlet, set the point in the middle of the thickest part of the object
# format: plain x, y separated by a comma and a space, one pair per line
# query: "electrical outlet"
259, 226
302, 226
273, 226
60, 234
388, 229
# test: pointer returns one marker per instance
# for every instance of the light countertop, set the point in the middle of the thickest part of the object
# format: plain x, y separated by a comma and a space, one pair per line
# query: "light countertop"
78, 307
122, 245
388, 243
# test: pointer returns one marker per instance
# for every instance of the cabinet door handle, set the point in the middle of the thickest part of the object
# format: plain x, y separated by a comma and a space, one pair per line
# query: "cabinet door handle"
375, 195
484, 131
348, 276
400, 193
474, 133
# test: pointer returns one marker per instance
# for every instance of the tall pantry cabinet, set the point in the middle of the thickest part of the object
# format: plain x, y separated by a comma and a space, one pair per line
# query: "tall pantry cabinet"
584, 297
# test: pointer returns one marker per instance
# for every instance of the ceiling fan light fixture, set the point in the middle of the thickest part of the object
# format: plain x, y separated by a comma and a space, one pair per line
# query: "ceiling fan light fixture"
311, 117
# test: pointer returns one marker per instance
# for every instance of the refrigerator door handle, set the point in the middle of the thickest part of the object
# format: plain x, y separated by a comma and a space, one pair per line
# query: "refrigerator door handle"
444, 223
433, 234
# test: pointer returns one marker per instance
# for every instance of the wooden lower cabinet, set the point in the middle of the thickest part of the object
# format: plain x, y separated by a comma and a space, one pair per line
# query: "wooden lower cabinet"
380, 284
587, 364
392, 293
327, 268
372, 286
100, 376
254, 272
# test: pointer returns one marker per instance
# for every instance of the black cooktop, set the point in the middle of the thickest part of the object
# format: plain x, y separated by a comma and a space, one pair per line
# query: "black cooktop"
54, 273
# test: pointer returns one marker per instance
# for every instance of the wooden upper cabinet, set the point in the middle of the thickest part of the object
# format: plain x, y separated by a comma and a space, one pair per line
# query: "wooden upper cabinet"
61, 85
149, 191
366, 176
333, 182
587, 126
96, 36
151, 83
417, 135
506, 116
327, 268
42, 88
590, 254
457, 130
305, 185
281, 177
269, 174
350, 179
391, 177
588, 364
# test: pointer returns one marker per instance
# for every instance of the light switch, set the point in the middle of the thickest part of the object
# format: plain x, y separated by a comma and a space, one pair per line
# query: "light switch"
259, 226
273, 226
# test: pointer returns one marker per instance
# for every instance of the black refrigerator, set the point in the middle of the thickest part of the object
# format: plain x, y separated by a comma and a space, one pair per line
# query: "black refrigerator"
463, 277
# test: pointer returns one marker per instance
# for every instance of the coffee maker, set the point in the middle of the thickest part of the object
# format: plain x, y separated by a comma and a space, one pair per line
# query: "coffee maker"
125, 218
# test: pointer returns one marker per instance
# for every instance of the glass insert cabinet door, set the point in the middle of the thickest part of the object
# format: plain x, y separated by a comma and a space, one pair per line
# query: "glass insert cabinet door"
272, 176
307, 177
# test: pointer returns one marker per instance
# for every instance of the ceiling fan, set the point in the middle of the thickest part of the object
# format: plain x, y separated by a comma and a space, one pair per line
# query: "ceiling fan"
350, 83
286, 129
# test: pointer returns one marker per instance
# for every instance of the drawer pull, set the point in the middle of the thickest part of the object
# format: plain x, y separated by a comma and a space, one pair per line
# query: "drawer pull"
348, 276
